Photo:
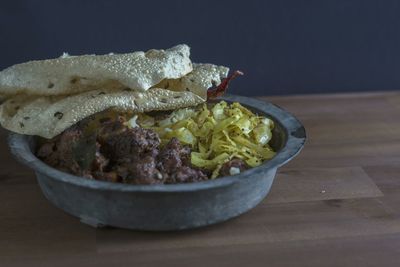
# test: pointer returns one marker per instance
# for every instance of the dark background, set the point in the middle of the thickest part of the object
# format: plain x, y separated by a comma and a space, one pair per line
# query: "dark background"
283, 46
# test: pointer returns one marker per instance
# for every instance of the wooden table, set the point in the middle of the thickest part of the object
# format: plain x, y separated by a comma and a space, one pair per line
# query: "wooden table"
336, 204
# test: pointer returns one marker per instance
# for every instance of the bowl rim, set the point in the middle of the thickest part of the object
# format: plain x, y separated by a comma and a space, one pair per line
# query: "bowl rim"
295, 133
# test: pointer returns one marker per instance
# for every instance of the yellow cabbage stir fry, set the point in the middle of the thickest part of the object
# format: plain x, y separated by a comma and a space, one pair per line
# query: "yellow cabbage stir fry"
216, 134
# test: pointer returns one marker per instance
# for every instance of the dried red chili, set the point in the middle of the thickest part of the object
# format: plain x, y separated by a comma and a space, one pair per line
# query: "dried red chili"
221, 89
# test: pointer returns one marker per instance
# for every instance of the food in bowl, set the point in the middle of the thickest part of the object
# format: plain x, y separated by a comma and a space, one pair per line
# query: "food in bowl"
138, 118
187, 145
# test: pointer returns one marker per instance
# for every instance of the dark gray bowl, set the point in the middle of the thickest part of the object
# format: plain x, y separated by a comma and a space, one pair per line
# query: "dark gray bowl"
167, 207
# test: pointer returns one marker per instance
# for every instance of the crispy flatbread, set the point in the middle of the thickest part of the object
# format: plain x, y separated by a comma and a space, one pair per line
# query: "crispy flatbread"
198, 81
48, 116
84, 85
73, 74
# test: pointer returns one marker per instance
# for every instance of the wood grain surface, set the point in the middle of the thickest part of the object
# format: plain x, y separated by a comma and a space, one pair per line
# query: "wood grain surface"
336, 204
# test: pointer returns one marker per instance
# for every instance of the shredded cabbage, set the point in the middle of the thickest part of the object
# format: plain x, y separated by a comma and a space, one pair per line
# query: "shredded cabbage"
217, 135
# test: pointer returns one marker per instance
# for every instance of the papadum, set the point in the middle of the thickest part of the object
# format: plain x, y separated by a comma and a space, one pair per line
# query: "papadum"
140, 81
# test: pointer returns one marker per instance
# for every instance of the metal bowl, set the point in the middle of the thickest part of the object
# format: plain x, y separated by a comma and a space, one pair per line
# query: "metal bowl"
167, 207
